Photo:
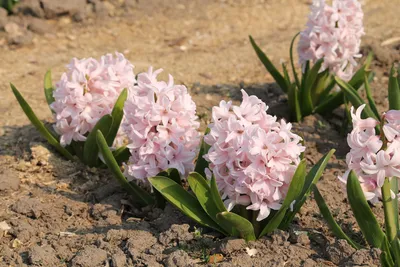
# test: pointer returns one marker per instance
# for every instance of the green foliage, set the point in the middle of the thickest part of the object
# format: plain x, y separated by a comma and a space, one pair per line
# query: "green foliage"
312, 93
140, 196
206, 206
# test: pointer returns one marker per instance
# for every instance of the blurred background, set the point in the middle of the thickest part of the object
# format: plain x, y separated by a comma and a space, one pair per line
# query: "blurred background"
202, 43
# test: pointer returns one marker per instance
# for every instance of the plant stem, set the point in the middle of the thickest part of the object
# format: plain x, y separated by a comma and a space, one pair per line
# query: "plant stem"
390, 218
255, 223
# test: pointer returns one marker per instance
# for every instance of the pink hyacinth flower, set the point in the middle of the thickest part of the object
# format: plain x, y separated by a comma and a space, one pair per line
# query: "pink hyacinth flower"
333, 33
372, 162
161, 125
87, 92
252, 156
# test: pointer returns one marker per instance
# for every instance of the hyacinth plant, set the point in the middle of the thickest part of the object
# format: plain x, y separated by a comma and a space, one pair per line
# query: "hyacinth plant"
373, 171
161, 125
90, 96
249, 177
328, 47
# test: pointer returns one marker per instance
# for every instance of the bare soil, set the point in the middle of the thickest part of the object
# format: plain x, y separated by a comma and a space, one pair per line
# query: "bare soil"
65, 214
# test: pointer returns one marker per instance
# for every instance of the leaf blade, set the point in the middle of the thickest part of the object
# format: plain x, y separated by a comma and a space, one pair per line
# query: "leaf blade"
244, 227
362, 212
295, 188
183, 200
204, 196
335, 228
311, 178
279, 79
201, 163
39, 125
354, 98
143, 198
90, 148
48, 89
117, 114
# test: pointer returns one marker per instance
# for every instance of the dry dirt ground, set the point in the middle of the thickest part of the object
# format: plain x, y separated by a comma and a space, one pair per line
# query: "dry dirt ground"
64, 214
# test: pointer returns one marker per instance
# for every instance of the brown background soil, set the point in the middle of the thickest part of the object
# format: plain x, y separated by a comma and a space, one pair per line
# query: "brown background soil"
64, 214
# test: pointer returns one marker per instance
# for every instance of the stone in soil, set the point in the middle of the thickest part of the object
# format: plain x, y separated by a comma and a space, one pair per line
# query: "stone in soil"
39, 26
30, 8
9, 181
90, 257
178, 258
53, 9
231, 245
42, 256
30, 207
176, 233
339, 251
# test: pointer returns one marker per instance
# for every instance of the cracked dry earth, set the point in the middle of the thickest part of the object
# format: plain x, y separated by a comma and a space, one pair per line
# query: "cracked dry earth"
61, 213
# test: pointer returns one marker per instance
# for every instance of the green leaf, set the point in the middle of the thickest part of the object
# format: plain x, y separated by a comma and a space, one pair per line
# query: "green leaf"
121, 154
244, 227
286, 75
385, 261
371, 101
305, 72
311, 179
395, 245
141, 197
386, 248
90, 148
216, 196
358, 78
328, 104
293, 102
335, 228
117, 114
309, 84
201, 163
295, 187
48, 89
354, 98
205, 197
279, 79
77, 147
394, 90
183, 200
39, 125
326, 94
390, 210
173, 174
362, 212
296, 78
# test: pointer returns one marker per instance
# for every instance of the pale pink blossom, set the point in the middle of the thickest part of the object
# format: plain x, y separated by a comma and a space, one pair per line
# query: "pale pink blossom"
252, 156
88, 91
333, 33
367, 157
161, 125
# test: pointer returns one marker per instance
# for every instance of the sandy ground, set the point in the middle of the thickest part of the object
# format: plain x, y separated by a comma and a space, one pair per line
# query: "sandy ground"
204, 45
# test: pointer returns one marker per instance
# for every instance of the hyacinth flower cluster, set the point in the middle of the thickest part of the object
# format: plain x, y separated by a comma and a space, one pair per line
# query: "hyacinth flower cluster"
90, 96
328, 50
250, 178
161, 126
252, 156
373, 171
